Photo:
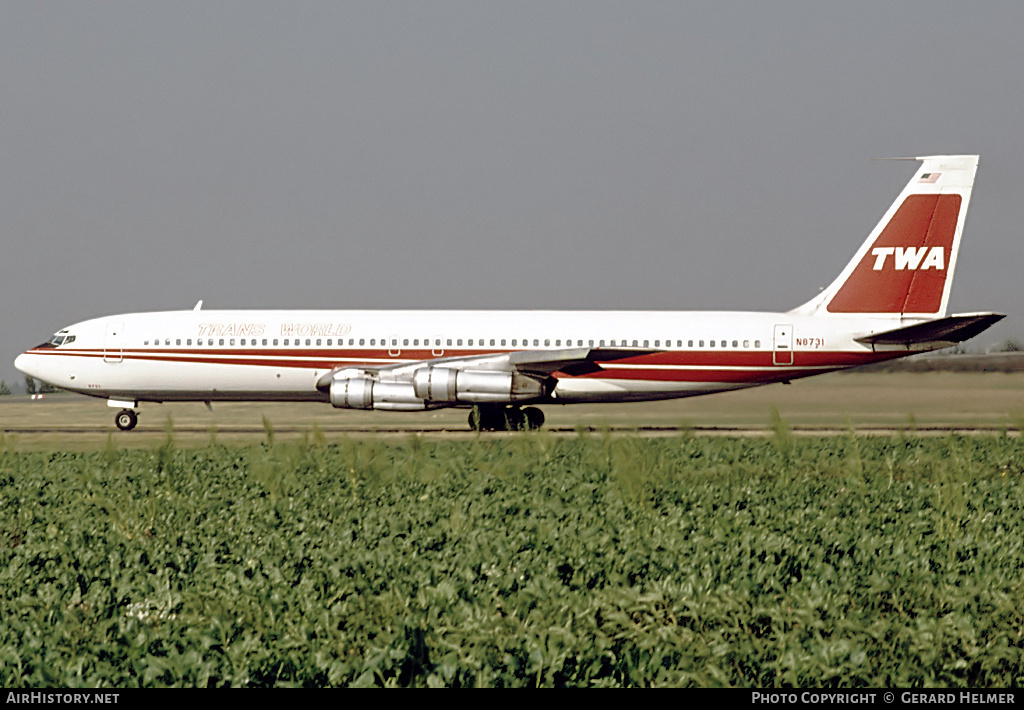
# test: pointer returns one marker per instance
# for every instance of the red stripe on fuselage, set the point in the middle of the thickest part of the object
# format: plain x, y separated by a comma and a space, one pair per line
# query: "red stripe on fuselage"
664, 366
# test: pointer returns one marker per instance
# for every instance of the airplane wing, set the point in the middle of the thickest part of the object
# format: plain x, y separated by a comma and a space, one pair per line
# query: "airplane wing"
571, 361
536, 363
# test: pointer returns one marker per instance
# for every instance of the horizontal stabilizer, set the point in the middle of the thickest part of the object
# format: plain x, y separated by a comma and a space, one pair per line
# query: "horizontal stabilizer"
953, 329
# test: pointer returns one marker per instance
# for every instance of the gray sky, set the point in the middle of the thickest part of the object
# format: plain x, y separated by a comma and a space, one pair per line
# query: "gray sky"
640, 155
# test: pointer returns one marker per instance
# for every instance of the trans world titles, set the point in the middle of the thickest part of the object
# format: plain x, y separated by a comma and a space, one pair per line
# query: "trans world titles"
222, 330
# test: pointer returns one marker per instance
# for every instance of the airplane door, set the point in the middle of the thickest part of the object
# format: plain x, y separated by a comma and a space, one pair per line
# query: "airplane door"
783, 352
113, 343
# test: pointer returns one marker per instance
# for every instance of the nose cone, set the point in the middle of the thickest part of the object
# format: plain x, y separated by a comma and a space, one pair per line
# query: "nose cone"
24, 364
31, 364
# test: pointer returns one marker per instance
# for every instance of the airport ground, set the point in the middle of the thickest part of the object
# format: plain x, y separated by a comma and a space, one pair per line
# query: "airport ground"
869, 403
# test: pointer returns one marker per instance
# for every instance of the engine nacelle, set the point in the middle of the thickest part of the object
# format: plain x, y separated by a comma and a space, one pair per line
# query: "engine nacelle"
398, 396
352, 392
444, 384
437, 384
360, 392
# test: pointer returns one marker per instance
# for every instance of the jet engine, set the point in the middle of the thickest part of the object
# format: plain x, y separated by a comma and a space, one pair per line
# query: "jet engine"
430, 388
445, 384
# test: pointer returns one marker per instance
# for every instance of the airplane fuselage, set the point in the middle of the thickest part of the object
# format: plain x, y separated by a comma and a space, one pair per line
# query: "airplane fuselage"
281, 355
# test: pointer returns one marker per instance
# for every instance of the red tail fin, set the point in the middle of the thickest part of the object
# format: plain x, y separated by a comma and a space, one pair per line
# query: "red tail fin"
906, 265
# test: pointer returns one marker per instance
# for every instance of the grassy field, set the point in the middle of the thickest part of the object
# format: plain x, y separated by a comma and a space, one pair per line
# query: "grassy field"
530, 559
267, 545
866, 402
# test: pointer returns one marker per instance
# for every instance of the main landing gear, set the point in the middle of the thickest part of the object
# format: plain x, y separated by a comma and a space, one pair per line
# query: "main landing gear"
498, 417
126, 419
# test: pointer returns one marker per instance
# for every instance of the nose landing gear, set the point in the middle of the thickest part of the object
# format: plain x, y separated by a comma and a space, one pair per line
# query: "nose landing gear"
126, 419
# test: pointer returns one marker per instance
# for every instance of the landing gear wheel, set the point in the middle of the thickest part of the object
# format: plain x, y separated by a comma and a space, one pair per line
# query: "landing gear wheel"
514, 419
126, 420
487, 417
534, 418
498, 417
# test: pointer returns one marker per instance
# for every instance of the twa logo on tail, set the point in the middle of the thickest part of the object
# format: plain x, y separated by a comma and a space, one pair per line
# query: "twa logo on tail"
905, 266
910, 258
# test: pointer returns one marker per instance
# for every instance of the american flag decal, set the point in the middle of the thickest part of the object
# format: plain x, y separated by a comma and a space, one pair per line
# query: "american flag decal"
930, 177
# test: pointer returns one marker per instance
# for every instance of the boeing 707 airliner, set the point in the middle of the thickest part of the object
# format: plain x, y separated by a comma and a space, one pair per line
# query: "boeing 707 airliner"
889, 302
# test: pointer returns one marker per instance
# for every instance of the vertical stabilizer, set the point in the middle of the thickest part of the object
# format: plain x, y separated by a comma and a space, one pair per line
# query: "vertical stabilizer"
905, 268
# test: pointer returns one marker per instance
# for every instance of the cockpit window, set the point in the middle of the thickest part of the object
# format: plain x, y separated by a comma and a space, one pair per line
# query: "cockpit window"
61, 339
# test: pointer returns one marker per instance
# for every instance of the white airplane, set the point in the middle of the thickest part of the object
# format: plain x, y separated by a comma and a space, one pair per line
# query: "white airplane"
889, 302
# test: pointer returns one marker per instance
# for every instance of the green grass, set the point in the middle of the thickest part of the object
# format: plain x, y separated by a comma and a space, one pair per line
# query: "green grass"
525, 560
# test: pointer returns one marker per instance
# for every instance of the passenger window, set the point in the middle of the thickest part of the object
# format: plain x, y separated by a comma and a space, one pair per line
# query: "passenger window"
275, 341
757, 343
178, 341
286, 341
735, 344
222, 341
514, 341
